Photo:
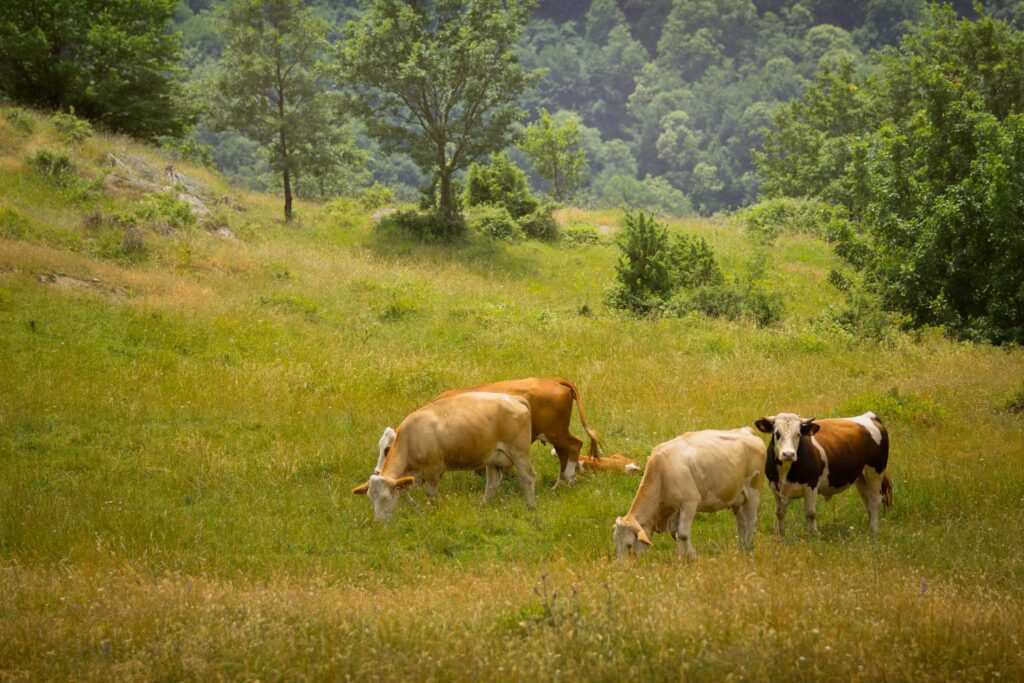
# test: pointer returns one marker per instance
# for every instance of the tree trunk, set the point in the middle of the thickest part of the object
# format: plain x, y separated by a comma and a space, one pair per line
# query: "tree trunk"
287, 196
447, 205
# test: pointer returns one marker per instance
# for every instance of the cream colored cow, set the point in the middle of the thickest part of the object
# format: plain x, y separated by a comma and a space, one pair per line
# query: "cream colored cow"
462, 432
702, 471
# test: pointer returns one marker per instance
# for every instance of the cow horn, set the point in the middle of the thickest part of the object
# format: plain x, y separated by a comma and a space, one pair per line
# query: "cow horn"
361, 489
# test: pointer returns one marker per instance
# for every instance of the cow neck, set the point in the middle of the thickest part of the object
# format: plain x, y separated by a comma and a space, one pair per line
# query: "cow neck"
646, 505
396, 461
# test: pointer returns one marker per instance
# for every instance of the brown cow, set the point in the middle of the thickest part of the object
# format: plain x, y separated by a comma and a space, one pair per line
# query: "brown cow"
808, 457
550, 400
462, 432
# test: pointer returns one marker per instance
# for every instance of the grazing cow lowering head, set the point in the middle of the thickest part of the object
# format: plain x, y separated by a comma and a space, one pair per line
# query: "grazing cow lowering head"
630, 538
383, 446
384, 492
786, 430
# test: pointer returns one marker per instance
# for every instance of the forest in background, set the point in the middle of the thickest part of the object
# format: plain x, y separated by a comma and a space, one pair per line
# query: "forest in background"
672, 98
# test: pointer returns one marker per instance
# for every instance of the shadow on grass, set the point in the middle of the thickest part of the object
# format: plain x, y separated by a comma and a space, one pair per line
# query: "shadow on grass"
476, 253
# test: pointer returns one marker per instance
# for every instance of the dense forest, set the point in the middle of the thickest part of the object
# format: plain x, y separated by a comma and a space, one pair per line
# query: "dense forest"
671, 97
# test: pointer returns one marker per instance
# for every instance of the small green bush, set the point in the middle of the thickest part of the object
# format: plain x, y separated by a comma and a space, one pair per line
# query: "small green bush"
644, 270
580, 235
427, 226
166, 208
693, 263
20, 120
1014, 403
541, 224
13, 225
70, 128
500, 183
54, 165
495, 222
772, 217
119, 239
374, 197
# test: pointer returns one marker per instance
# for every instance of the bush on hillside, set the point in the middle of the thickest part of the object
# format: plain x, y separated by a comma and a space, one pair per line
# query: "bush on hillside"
644, 269
70, 128
770, 218
541, 224
427, 226
499, 183
495, 222
580, 235
20, 120
166, 208
54, 165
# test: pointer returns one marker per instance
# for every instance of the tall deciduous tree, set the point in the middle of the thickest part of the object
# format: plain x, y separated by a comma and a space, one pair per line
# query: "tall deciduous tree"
554, 148
112, 60
437, 79
271, 85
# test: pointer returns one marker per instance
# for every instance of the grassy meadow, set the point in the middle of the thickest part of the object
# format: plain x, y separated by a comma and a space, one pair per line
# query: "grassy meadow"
184, 412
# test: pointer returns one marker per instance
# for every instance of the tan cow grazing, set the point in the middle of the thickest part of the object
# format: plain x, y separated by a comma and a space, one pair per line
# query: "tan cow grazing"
461, 432
550, 400
809, 456
702, 471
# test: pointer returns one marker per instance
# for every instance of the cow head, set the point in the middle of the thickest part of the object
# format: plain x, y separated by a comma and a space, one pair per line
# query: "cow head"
786, 430
383, 446
383, 492
630, 538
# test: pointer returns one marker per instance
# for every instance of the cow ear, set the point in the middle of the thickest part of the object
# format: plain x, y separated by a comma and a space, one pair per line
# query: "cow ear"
404, 482
642, 536
361, 489
765, 424
809, 427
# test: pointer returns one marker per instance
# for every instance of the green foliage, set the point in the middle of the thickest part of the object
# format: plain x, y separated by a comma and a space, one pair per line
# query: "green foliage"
644, 269
499, 183
13, 225
741, 298
495, 222
167, 209
270, 85
113, 61
20, 119
554, 148
427, 226
649, 194
770, 218
580, 235
55, 166
119, 239
693, 263
928, 157
70, 128
437, 80
541, 224
1014, 403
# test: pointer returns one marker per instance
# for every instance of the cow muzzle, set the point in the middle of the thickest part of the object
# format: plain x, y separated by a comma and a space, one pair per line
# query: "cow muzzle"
787, 456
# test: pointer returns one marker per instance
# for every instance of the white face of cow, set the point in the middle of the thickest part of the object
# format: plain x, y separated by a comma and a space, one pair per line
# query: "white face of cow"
383, 446
630, 538
786, 430
384, 493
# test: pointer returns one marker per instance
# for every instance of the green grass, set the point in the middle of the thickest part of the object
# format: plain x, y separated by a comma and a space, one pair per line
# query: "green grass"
179, 433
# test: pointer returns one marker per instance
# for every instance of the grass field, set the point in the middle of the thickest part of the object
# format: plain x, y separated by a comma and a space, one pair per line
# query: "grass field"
181, 422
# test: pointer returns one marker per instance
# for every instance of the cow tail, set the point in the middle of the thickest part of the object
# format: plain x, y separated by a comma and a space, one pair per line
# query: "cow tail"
594, 450
886, 492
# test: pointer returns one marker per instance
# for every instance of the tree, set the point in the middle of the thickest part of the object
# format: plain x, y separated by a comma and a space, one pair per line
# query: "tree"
438, 79
270, 84
554, 148
113, 61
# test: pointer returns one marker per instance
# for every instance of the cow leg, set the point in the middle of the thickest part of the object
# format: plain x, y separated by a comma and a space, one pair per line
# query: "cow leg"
684, 548
527, 475
567, 447
493, 478
748, 513
781, 506
811, 509
869, 486
430, 486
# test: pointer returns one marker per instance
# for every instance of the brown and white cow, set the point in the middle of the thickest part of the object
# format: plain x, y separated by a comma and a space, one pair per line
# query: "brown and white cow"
462, 432
808, 456
550, 400
702, 471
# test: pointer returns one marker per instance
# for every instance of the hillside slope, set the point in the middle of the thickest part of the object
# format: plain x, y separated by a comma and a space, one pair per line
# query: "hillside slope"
187, 397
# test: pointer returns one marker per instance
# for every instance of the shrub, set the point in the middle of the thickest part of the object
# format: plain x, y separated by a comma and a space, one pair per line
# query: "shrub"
1014, 403
20, 120
12, 224
644, 269
500, 183
165, 207
120, 239
54, 165
772, 217
693, 263
541, 224
374, 197
496, 223
428, 226
70, 128
580, 235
